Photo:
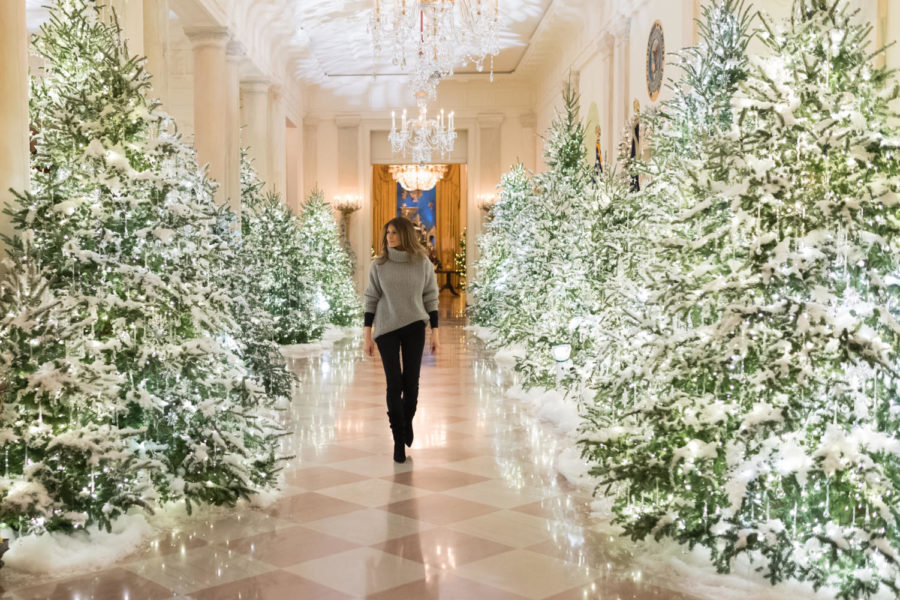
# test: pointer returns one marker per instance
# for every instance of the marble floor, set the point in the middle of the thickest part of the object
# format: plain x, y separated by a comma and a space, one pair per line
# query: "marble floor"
476, 513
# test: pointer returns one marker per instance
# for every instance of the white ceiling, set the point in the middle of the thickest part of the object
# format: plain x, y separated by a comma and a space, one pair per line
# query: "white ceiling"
326, 41
335, 33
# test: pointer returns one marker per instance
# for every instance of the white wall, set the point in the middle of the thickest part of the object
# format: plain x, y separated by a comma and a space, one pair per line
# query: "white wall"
180, 59
588, 51
294, 167
892, 32
675, 17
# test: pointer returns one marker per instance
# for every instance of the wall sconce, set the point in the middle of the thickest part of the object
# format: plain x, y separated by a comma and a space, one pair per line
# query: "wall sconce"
348, 204
485, 201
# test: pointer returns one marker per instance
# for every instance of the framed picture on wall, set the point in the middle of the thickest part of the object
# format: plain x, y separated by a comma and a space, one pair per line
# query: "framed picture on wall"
656, 60
592, 132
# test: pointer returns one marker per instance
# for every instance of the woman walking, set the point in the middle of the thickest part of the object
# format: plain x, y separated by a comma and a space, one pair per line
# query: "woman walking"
401, 297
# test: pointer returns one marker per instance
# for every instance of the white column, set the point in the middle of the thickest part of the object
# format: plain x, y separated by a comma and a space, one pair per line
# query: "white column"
14, 132
610, 135
530, 140
211, 101
621, 100
130, 14
294, 172
277, 143
892, 35
489, 151
874, 13
887, 32
489, 168
695, 23
232, 183
156, 45
310, 154
348, 153
255, 121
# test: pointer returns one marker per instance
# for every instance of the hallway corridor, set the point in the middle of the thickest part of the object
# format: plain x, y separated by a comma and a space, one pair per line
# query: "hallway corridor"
476, 513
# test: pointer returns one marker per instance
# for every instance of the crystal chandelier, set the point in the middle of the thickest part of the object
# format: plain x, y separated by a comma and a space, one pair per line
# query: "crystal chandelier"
413, 178
431, 37
420, 137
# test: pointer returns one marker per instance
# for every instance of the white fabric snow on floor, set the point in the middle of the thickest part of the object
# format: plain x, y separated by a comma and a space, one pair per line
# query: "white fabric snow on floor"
84, 550
332, 335
668, 563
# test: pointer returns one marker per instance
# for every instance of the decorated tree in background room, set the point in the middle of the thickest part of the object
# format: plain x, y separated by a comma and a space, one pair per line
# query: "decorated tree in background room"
122, 225
275, 249
460, 261
329, 263
768, 429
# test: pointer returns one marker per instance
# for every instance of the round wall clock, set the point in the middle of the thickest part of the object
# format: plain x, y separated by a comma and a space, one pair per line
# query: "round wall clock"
656, 60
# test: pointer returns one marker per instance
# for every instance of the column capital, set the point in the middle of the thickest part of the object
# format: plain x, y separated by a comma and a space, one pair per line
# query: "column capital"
489, 119
606, 43
347, 120
621, 29
311, 121
207, 35
258, 85
528, 120
235, 50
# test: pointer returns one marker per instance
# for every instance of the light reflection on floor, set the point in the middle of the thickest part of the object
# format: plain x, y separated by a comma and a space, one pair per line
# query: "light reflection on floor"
477, 512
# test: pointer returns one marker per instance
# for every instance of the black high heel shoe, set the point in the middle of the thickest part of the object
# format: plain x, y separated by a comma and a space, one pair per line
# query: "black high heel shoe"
408, 434
399, 452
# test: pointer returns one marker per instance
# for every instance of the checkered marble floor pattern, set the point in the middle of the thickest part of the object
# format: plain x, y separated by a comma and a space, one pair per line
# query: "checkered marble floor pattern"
476, 513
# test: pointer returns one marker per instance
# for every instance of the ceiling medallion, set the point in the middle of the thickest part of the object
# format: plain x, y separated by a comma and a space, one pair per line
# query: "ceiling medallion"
421, 137
431, 37
417, 178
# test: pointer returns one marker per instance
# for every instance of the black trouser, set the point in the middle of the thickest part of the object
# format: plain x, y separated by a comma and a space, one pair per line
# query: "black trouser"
402, 381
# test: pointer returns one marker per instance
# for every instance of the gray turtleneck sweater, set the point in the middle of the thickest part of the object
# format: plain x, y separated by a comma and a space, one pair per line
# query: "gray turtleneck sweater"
401, 291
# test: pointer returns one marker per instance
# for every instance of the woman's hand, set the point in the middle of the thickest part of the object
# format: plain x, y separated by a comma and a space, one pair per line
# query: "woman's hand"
369, 343
434, 340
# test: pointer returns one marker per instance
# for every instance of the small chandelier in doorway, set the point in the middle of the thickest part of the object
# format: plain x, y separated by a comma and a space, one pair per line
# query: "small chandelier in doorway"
420, 137
417, 178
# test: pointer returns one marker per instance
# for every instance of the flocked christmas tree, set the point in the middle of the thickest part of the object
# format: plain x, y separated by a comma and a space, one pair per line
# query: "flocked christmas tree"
66, 460
274, 249
768, 425
499, 250
640, 232
534, 287
132, 389
238, 275
329, 263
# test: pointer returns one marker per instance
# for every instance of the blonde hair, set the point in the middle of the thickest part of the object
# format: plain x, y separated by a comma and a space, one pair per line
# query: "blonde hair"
409, 239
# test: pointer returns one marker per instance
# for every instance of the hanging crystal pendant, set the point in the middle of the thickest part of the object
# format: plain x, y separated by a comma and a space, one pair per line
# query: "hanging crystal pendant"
421, 137
429, 38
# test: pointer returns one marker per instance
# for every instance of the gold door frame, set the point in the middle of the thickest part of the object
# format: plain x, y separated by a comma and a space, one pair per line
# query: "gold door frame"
447, 210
